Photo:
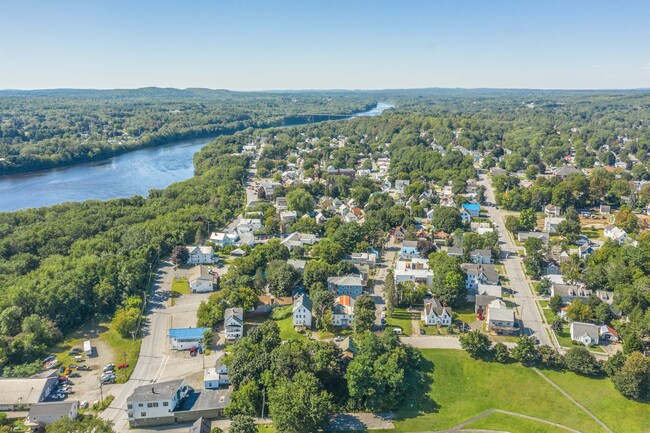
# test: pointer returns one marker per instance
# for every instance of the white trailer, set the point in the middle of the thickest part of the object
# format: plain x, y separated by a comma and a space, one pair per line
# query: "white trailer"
88, 349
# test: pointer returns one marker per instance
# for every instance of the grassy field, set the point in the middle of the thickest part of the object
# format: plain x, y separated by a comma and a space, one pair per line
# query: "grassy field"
601, 398
465, 313
287, 332
460, 388
496, 421
401, 318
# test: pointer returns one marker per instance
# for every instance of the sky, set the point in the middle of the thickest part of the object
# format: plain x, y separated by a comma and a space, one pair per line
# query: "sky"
325, 44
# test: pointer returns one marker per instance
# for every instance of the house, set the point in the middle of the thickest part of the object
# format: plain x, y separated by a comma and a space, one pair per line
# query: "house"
435, 314
348, 349
497, 171
296, 239
238, 252
465, 216
585, 333
186, 338
550, 224
608, 333
501, 319
399, 234
249, 225
474, 209
569, 293
281, 203
266, 189
222, 239
552, 211
476, 274
401, 185
233, 323
201, 279
42, 414
414, 270
455, 252
522, 236
201, 425
566, 171
343, 311
552, 269
408, 252
482, 227
350, 285
320, 218
616, 234
490, 290
369, 259
605, 209
480, 256
21, 394
585, 250
154, 403
302, 311
481, 303
200, 254
288, 217
216, 377
298, 265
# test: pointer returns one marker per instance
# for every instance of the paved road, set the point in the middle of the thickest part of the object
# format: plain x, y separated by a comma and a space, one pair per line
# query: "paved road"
522, 292
383, 266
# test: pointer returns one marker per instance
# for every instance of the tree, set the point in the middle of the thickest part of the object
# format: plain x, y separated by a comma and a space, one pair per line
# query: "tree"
527, 219
425, 247
632, 343
555, 304
570, 229
180, 254
348, 235
544, 287
626, 220
476, 344
323, 301
550, 357
390, 292
578, 311
316, 271
512, 223
480, 193
125, 321
614, 363
446, 218
448, 280
501, 353
525, 351
531, 172
534, 256
300, 201
245, 400
82, 424
579, 360
327, 250
208, 338
558, 324
242, 424
299, 405
572, 269
633, 380
364, 313
361, 195
281, 277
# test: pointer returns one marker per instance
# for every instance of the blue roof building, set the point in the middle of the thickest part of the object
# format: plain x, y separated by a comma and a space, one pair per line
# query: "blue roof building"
186, 338
474, 209
408, 253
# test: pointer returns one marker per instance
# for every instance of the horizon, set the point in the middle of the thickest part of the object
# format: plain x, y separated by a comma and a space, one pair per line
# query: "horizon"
319, 45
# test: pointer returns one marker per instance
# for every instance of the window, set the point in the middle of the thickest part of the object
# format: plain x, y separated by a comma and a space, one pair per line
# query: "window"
129, 406
143, 413
140, 405
165, 403
149, 404
155, 404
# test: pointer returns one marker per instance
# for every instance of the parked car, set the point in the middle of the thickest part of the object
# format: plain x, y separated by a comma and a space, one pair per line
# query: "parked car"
338, 339
83, 405
123, 365
109, 367
74, 351
48, 359
75, 375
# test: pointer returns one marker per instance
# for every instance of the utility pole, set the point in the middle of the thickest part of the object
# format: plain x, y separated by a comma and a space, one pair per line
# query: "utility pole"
263, 401
101, 390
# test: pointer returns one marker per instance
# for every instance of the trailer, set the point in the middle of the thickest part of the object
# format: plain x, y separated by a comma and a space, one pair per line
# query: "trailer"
88, 349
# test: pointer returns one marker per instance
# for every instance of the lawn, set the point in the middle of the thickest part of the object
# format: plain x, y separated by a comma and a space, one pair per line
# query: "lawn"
461, 388
496, 421
601, 398
593, 233
287, 332
403, 319
465, 313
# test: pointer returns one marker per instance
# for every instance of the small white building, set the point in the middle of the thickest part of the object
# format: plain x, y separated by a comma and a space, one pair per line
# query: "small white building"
616, 234
154, 403
222, 239
415, 270
42, 414
585, 333
551, 224
215, 378
289, 216
186, 338
233, 323
435, 314
299, 240
201, 280
249, 225
200, 254
302, 311
369, 259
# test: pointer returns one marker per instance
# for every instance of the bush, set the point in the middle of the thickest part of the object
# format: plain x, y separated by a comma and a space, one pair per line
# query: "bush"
281, 312
579, 360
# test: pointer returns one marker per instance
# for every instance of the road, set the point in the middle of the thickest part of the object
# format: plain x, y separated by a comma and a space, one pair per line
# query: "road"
522, 292
384, 264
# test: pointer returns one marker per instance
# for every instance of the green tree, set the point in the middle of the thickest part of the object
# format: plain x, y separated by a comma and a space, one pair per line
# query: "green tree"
82, 424
323, 301
632, 343
525, 351
390, 293
555, 304
527, 219
208, 338
364, 314
626, 220
327, 250
125, 321
299, 405
448, 280
579, 360
281, 277
550, 357
558, 324
446, 218
501, 353
300, 201
180, 255
245, 400
633, 380
512, 224
614, 363
242, 424
476, 344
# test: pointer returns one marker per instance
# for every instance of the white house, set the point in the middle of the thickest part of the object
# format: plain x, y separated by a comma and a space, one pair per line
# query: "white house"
414, 270
435, 314
350, 285
501, 319
215, 378
288, 216
299, 240
481, 257
222, 239
249, 225
42, 414
343, 311
615, 233
186, 338
550, 224
302, 311
552, 211
200, 279
369, 259
585, 333
233, 323
476, 274
200, 254
154, 403
465, 215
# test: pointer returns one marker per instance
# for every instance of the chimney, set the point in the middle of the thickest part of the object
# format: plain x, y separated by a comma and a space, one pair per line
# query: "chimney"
153, 390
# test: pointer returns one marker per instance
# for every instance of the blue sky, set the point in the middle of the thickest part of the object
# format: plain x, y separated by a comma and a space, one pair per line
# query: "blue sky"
325, 44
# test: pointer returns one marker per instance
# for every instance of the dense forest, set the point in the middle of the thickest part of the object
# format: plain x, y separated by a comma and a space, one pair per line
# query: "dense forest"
43, 129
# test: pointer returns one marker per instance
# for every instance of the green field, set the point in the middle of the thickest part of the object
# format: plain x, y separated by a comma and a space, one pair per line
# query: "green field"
287, 331
462, 388
496, 421
465, 313
401, 318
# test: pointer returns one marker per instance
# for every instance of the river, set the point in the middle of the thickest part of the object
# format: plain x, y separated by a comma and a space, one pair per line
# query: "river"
133, 173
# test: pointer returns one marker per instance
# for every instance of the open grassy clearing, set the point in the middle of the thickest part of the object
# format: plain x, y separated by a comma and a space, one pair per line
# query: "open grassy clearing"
498, 421
462, 388
402, 318
465, 313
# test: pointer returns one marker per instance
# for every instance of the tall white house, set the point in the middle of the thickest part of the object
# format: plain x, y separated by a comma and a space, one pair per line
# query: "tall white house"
200, 254
233, 323
302, 311
154, 403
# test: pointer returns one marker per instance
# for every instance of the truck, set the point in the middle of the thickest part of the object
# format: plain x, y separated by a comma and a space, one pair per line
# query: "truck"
88, 349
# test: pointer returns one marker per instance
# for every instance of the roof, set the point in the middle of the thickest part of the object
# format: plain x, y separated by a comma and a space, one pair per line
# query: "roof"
489, 289
472, 206
347, 345
578, 329
187, 333
344, 300
484, 300
236, 313
413, 244
604, 329
55, 408
497, 311
298, 264
23, 391
434, 305
566, 170
346, 280
155, 391
199, 272
201, 425
302, 301
568, 290
484, 253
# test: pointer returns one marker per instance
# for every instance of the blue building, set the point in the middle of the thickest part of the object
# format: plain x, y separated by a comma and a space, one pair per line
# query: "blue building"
186, 338
474, 209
